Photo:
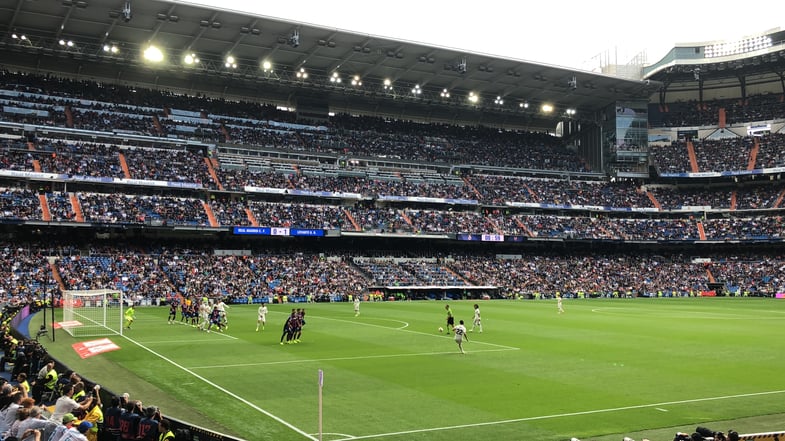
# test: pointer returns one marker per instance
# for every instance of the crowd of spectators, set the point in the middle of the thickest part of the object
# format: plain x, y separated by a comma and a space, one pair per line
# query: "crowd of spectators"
102, 107
719, 155
92, 106
694, 113
44, 400
730, 154
102, 208
148, 275
771, 152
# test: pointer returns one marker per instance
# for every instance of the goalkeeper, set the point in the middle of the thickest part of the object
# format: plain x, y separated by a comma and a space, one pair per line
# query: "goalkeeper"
130, 315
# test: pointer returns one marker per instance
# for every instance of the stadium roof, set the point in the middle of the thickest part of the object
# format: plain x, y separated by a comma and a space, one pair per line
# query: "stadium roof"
752, 61
94, 27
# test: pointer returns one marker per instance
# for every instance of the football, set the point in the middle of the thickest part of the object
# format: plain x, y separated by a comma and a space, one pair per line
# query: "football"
441, 329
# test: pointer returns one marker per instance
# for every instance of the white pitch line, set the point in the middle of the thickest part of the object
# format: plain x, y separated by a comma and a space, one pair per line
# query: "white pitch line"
364, 357
561, 415
224, 390
610, 310
165, 342
413, 332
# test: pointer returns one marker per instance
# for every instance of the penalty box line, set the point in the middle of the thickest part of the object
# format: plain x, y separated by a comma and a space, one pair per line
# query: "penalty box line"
363, 357
406, 324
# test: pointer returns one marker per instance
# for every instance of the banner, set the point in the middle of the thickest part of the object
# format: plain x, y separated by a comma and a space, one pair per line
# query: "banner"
94, 347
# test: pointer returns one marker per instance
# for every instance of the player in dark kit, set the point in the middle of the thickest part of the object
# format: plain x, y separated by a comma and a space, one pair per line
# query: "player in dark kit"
184, 313
193, 315
172, 312
298, 327
288, 327
215, 319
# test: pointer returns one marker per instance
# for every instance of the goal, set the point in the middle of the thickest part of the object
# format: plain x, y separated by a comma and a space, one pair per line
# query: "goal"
92, 312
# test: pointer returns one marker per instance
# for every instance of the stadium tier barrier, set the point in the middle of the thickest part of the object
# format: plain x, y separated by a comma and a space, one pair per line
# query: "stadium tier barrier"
184, 431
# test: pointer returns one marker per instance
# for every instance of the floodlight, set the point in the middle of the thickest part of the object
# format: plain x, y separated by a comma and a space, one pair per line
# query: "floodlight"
190, 58
153, 54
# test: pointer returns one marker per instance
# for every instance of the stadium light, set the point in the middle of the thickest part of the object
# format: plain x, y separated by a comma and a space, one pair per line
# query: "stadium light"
473, 98
22, 38
267, 66
547, 108
356, 81
445, 93
302, 74
153, 54
335, 78
190, 59
230, 62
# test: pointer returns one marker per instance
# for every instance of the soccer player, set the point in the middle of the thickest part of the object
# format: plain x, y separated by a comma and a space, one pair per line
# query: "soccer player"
172, 311
288, 326
184, 312
262, 318
222, 307
204, 315
299, 323
460, 335
356, 305
216, 319
559, 305
130, 316
450, 319
477, 321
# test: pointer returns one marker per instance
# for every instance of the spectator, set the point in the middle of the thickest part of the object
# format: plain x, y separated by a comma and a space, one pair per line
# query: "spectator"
66, 404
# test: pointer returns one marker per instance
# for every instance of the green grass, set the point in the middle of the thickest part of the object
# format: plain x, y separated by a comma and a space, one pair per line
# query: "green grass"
602, 370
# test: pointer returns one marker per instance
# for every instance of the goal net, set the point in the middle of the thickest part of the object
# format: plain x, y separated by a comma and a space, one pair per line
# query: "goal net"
92, 312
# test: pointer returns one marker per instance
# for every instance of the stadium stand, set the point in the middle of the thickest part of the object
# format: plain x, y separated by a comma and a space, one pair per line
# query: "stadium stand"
102, 160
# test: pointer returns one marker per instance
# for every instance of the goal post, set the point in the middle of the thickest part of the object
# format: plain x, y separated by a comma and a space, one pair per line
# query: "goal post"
93, 312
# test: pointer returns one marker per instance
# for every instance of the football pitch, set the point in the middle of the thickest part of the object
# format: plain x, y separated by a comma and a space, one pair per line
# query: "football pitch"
602, 370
